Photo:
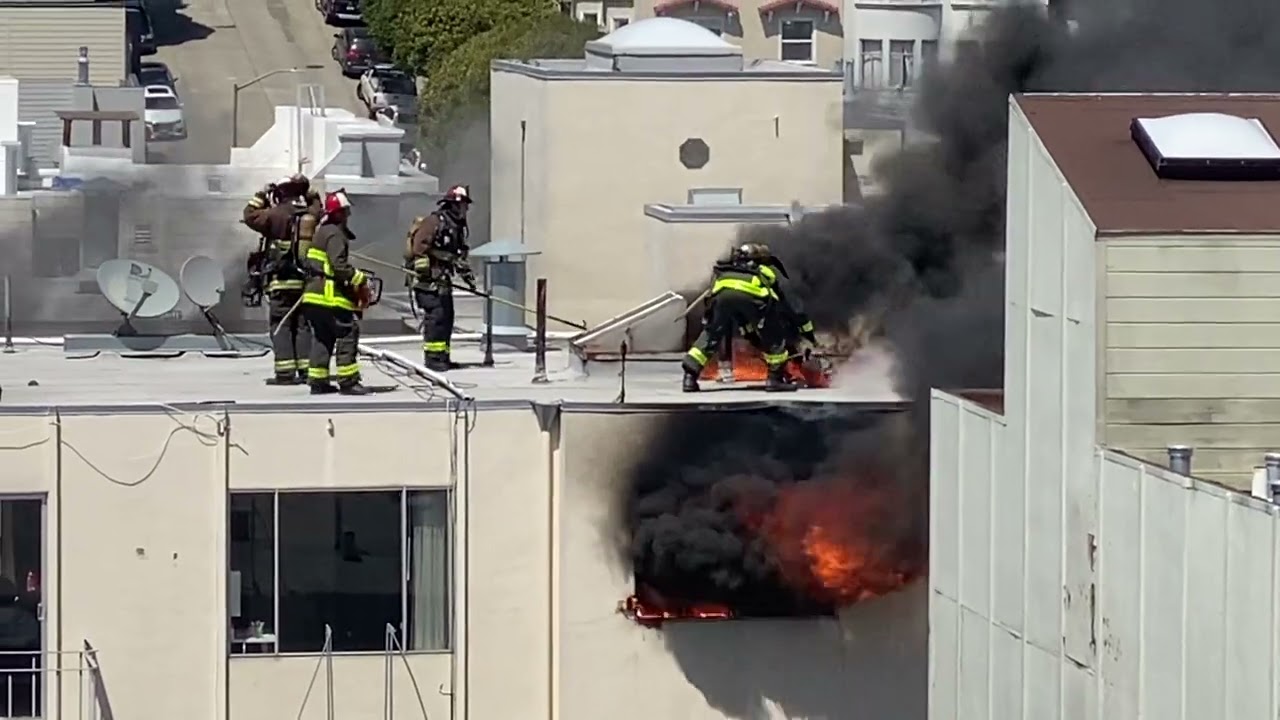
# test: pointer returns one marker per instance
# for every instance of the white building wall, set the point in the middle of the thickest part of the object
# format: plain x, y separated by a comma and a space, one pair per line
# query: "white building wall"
1172, 616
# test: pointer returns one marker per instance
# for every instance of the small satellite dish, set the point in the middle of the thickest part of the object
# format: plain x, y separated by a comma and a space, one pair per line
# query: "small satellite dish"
137, 289
202, 281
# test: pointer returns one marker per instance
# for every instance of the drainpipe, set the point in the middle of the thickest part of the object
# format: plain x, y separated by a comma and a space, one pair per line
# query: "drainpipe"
1180, 459
549, 424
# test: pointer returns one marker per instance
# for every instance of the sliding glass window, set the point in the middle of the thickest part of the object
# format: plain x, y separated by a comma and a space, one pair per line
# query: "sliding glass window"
356, 561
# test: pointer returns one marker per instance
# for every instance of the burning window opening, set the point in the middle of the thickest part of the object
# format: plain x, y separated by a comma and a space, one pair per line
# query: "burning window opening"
773, 514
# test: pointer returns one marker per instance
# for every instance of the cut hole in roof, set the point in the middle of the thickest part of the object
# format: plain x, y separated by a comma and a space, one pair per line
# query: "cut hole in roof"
1208, 146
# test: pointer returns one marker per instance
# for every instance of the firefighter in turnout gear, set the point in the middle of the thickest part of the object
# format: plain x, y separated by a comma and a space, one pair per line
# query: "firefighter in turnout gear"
334, 295
435, 251
745, 297
285, 214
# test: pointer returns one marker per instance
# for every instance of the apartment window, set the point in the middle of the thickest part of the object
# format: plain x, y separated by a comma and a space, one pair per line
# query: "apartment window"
620, 22
356, 561
715, 196
797, 41
928, 54
901, 63
872, 59
715, 25
591, 19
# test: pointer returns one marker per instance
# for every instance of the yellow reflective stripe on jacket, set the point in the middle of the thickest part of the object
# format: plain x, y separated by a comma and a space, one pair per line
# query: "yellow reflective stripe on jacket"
751, 287
807, 327
770, 277
285, 285
330, 296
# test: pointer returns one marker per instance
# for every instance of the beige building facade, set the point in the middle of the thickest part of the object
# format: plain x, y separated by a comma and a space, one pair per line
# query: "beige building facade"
169, 533
661, 111
41, 40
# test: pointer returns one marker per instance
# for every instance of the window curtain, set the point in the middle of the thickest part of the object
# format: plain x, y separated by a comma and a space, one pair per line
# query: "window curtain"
429, 571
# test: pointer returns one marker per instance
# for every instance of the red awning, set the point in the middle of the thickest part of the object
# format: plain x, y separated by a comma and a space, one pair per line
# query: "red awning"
820, 5
722, 5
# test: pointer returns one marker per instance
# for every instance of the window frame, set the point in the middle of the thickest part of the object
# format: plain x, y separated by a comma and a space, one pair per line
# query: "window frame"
714, 192
405, 577
811, 42
904, 62
705, 21
873, 58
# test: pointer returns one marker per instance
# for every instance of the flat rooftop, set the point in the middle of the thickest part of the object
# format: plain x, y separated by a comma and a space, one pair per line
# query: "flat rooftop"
1089, 138
38, 379
579, 69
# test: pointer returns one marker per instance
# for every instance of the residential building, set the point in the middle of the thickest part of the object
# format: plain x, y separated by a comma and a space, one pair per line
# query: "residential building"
1095, 548
808, 32
42, 39
199, 545
579, 151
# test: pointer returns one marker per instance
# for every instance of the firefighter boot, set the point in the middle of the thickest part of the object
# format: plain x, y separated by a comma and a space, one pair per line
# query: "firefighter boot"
778, 381
354, 388
690, 383
291, 379
323, 388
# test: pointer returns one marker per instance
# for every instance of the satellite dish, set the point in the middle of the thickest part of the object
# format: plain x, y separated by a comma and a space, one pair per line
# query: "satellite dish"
202, 281
137, 289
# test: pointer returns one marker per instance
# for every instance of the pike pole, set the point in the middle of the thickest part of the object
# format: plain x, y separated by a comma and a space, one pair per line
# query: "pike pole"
477, 293
287, 315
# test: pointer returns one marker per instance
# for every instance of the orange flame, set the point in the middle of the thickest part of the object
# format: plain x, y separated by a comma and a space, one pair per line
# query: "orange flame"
749, 366
841, 543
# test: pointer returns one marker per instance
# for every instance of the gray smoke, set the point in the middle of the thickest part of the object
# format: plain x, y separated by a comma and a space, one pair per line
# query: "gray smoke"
925, 256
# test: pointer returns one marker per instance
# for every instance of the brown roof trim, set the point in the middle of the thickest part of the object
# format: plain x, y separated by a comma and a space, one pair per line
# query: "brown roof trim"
103, 115
1089, 138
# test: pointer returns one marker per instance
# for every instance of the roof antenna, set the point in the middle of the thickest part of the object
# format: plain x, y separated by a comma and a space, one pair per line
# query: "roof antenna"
203, 284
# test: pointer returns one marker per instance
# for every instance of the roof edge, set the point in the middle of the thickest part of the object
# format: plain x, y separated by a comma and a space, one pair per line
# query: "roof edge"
801, 74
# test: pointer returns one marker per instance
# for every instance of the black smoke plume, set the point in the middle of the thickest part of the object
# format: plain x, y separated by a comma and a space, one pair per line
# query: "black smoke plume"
925, 256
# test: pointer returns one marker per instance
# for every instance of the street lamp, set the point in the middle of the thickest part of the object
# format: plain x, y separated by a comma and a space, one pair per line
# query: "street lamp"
237, 87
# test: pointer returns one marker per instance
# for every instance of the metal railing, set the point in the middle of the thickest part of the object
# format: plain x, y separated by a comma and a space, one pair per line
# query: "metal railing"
53, 684
393, 648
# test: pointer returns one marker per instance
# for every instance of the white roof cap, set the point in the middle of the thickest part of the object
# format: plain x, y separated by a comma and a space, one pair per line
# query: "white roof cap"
664, 36
1210, 136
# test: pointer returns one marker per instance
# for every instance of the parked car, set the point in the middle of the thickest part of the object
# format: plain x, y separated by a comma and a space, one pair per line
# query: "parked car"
138, 27
152, 74
340, 11
164, 114
385, 86
354, 50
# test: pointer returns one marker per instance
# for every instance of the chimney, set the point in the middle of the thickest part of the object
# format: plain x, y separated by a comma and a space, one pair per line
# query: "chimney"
1273, 476
82, 66
1180, 459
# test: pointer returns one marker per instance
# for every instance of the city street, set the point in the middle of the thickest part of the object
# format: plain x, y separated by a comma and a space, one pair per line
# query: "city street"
212, 44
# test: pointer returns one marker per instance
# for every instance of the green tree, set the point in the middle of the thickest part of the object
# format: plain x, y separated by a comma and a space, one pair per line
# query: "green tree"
456, 91
419, 34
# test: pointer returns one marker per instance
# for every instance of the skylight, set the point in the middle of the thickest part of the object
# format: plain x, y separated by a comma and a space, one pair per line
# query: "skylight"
1208, 146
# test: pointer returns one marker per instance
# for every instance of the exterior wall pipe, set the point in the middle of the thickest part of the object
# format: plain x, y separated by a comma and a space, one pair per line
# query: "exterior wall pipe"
1180, 459
1273, 476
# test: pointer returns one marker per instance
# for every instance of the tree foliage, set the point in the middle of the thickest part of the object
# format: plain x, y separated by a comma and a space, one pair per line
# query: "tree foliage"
419, 34
458, 87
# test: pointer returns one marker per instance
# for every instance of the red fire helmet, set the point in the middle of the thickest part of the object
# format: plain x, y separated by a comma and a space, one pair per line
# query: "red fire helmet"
336, 202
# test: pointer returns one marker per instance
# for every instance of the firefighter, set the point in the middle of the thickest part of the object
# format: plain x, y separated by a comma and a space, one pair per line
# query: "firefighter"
285, 214
334, 295
435, 251
744, 298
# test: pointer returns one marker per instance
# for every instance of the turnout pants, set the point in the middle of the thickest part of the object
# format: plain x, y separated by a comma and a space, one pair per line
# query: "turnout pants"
336, 334
437, 323
732, 311
292, 345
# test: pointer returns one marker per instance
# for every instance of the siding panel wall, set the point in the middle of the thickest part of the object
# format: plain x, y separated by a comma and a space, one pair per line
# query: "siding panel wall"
1177, 596
1193, 350
38, 102
42, 43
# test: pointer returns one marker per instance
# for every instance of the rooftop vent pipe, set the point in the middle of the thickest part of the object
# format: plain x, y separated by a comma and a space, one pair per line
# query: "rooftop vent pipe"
82, 66
1273, 476
1180, 459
